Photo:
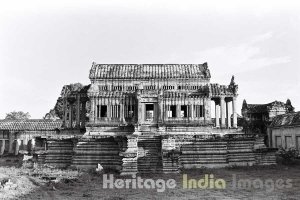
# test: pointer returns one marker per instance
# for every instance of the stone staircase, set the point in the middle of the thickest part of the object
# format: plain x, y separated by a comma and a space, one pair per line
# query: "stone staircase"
240, 153
149, 153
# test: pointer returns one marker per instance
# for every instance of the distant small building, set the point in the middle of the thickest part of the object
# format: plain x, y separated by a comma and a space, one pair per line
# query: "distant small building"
284, 131
257, 117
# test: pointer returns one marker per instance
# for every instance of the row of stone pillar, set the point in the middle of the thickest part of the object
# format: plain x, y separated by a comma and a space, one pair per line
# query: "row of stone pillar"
11, 148
115, 108
222, 110
80, 112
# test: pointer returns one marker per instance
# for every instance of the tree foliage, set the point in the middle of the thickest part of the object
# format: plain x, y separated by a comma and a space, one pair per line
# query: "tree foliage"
17, 115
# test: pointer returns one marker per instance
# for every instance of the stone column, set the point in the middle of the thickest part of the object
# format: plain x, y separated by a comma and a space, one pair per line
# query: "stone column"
2, 147
11, 142
78, 112
234, 112
228, 114
223, 112
217, 113
18, 143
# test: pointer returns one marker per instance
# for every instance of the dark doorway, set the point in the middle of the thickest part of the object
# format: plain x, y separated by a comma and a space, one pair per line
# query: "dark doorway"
172, 112
103, 111
149, 112
183, 112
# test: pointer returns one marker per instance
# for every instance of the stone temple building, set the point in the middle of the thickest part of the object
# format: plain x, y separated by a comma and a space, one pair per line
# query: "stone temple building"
257, 117
150, 117
152, 98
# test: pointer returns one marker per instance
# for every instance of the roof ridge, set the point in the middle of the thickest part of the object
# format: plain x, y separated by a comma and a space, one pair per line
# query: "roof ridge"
146, 71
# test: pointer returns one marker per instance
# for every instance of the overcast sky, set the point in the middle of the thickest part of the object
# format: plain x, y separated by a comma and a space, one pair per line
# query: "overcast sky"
44, 46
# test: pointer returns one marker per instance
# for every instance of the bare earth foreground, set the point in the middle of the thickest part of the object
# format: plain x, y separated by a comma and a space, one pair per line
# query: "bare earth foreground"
36, 184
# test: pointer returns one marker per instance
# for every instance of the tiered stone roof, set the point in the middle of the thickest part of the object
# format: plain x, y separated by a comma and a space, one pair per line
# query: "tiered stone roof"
149, 71
260, 108
30, 125
290, 119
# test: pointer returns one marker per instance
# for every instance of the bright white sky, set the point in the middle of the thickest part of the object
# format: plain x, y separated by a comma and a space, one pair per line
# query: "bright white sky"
45, 45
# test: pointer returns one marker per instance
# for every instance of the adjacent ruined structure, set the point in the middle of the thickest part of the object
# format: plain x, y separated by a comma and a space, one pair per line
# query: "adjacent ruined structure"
257, 117
284, 131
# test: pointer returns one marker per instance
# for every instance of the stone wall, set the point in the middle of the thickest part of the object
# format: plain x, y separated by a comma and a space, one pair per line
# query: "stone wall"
88, 153
59, 153
285, 137
212, 151
168, 153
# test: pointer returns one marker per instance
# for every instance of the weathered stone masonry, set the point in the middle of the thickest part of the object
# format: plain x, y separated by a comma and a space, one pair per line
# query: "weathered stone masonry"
149, 117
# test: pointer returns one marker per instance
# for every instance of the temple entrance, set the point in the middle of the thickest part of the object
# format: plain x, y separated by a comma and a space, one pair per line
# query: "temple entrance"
149, 113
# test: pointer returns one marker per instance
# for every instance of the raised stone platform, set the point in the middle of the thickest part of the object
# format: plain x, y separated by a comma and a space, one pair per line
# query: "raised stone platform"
148, 153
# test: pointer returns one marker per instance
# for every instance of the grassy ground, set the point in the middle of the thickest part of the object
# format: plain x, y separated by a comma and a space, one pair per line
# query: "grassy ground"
36, 184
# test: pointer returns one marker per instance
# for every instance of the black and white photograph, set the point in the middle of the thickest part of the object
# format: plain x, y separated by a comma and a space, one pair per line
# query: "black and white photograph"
149, 99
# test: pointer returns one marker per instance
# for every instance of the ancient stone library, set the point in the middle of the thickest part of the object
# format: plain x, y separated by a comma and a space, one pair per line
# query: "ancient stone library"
141, 118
